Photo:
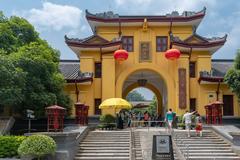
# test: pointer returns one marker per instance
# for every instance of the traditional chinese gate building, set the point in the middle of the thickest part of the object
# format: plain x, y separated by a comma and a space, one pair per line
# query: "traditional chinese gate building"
188, 83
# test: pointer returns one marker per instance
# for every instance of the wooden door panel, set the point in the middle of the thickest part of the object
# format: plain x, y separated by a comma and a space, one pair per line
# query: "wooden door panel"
228, 105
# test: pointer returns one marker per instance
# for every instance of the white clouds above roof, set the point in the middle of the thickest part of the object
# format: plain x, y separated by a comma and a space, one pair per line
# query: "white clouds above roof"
54, 16
166, 6
123, 2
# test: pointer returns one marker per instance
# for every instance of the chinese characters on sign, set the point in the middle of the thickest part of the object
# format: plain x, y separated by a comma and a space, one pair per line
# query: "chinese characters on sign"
163, 144
145, 50
182, 88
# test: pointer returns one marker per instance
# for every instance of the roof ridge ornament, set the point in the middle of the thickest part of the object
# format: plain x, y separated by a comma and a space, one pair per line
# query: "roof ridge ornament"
145, 25
108, 14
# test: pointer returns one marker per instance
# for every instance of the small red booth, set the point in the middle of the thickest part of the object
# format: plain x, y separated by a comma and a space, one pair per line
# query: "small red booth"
81, 112
55, 118
214, 113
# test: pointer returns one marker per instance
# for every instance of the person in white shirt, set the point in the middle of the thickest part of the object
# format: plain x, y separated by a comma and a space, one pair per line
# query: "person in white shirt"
188, 121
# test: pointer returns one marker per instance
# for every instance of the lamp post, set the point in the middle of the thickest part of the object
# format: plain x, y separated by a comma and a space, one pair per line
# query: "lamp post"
30, 116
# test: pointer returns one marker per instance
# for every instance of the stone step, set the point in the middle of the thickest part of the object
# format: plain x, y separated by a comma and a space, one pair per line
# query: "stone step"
97, 134
104, 148
205, 148
201, 142
104, 145
212, 154
208, 151
203, 145
108, 140
107, 137
103, 151
194, 133
102, 158
103, 154
84, 142
210, 146
198, 139
213, 158
111, 135
108, 132
193, 138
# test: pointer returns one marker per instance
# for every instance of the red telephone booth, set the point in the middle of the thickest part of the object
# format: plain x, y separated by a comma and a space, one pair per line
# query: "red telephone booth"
218, 111
81, 112
214, 113
208, 109
55, 118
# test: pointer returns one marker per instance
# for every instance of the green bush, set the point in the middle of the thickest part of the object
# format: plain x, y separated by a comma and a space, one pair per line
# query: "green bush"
9, 145
37, 146
106, 126
182, 125
180, 119
108, 118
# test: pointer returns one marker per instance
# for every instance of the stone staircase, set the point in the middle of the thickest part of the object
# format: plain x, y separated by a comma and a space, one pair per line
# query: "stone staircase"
105, 145
137, 149
208, 147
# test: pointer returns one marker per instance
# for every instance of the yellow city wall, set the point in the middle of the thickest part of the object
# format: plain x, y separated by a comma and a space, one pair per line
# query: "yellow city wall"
114, 74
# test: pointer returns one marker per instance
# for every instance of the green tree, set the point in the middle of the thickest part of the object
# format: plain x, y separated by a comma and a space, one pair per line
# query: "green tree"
15, 32
135, 96
12, 82
152, 109
33, 65
232, 78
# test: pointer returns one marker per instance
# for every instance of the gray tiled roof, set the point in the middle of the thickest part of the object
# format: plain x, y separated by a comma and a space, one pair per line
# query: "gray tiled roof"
69, 68
220, 66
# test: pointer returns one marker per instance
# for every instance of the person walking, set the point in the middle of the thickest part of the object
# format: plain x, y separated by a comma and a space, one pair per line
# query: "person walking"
187, 117
119, 121
169, 119
198, 125
130, 117
145, 118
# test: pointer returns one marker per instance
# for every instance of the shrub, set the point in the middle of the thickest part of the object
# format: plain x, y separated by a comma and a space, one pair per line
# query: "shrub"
108, 118
180, 119
181, 125
9, 145
37, 146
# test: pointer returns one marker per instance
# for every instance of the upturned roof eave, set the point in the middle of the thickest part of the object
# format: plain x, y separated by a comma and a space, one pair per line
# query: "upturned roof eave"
211, 79
150, 18
199, 45
126, 19
82, 45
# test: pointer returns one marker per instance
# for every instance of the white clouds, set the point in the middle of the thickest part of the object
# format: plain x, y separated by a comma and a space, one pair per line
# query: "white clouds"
232, 44
168, 6
164, 6
123, 2
54, 17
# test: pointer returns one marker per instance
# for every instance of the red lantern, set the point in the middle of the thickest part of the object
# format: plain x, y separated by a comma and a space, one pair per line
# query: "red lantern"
121, 55
172, 54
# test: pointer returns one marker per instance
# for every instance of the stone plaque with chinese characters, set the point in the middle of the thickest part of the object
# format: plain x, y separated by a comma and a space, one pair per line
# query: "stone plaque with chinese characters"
145, 52
182, 88
163, 144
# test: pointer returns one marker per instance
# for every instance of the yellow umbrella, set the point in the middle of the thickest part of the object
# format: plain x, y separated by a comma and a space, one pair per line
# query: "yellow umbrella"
115, 103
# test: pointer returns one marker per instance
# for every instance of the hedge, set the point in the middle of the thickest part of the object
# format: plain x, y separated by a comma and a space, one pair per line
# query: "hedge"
37, 146
9, 146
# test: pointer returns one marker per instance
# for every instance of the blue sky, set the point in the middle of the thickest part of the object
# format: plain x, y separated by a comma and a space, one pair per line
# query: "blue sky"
55, 18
